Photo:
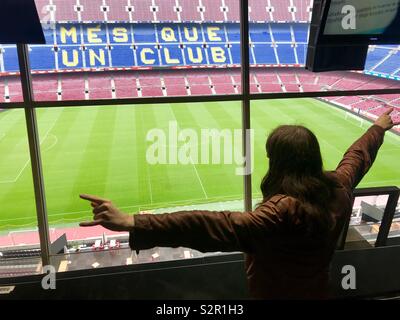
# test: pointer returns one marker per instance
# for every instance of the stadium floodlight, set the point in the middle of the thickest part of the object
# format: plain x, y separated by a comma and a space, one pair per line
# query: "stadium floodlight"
20, 23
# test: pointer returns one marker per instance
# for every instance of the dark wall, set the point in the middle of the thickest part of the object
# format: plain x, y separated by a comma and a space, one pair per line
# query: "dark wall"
222, 277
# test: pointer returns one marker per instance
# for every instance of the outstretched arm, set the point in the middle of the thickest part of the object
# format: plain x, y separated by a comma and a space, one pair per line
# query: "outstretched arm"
201, 230
361, 155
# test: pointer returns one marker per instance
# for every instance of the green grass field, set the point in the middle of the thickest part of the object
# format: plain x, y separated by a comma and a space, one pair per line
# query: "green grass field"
101, 150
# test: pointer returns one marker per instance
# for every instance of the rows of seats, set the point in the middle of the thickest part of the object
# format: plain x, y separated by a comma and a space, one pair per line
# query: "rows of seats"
131, 84
369, 106
384, 60
172, 10
271, 44
16, 254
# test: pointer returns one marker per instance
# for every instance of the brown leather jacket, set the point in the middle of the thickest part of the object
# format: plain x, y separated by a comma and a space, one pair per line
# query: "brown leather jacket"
280, 264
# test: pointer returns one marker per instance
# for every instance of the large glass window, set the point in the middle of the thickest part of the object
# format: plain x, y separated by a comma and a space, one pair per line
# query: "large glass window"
18, 222
138, 49
10, 82
279, 33
336, 129
152, 158
157, 158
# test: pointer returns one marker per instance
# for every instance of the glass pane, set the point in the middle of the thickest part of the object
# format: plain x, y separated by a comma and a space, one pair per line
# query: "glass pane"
137, 48
19, 263
83, 256
10, 81
279, 32
395, 228
365, 221
112, 152
363, 108
18, 224
336, 130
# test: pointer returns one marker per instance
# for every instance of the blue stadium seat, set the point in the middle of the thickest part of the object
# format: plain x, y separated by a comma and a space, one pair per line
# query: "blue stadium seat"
301, 53
281, 32
260, 33
301, 32
144, 33
374, 57
233, 31
195, 54
286, 54
10, 58
235, 50
264, 54
157, 44
171, 55
42, 58
122, 55
388, 66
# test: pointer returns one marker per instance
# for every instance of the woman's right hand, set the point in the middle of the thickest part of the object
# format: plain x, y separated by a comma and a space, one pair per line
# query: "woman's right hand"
385, 120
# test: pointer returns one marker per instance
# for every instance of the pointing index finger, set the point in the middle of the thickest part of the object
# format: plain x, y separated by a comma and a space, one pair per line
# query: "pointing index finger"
389, 111
92, 198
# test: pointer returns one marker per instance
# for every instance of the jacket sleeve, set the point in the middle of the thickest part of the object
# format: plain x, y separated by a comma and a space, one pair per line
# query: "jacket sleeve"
359, 157
206, 231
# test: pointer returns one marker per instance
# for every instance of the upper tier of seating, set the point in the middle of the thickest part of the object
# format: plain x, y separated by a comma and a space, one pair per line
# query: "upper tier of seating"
172, 10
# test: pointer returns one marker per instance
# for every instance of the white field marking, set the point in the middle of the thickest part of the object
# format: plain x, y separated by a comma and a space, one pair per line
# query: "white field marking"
166, 205
28, 161
332, 146
198, 177
159, 205
380, 182
53, 144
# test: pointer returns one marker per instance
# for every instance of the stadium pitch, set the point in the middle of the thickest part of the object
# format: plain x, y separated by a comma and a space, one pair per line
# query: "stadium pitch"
102, 151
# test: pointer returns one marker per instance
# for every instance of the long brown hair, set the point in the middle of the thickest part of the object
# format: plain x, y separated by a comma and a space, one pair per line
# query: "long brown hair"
296, 170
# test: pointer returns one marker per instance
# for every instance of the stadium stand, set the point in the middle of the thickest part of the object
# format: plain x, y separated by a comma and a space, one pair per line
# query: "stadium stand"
190, 10
232, 10
118, 10
45, 88
125, 68
168, 11
259, 11
74, 86
144, 11
282, 10
278, 36
99, 87
92, 10
213, 10
172, 10
63, 11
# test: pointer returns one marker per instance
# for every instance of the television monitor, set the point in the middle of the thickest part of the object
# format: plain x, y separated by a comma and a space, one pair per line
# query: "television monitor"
357, 22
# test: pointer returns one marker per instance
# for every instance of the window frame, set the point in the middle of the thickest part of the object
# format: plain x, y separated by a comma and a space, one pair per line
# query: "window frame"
245, 97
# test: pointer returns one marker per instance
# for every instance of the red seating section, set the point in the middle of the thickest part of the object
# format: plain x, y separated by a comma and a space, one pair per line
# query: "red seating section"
134, 84
171, 10
130, 84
